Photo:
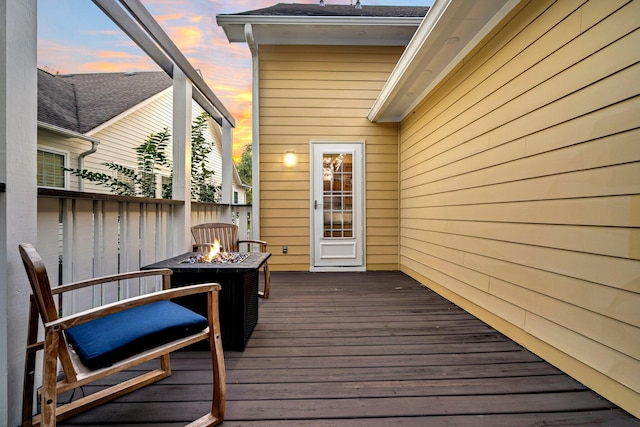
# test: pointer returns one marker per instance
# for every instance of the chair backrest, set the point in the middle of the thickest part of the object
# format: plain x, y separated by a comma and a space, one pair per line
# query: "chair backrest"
39, 280
226, 234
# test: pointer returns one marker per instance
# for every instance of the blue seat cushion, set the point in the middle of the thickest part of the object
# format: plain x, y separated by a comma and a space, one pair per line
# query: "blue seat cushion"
107, 340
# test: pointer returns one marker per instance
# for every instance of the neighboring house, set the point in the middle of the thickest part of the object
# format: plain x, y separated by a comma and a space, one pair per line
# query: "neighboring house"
85, 120
101, 234
494, 157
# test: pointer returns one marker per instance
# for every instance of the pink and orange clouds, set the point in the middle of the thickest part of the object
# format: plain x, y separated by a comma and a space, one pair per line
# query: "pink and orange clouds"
75, 36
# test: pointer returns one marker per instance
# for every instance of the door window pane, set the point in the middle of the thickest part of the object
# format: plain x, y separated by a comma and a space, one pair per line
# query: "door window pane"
337, 195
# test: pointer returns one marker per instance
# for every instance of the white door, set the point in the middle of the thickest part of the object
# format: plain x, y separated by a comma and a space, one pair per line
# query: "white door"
337, 206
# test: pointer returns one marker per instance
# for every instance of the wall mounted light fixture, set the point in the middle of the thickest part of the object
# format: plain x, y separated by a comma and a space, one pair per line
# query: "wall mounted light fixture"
290, 158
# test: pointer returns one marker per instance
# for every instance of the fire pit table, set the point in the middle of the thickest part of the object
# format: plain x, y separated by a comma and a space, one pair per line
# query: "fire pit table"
238, 300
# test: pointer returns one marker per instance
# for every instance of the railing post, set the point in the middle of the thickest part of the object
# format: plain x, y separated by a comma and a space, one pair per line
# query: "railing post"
227, 162
182, 113
243, 222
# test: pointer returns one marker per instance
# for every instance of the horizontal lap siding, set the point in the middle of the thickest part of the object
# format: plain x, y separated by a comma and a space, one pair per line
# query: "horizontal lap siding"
119, 139
324, 93
520, 187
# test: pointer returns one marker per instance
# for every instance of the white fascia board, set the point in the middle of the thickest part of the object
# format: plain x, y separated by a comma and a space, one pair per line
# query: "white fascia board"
315, 20
407, 60
66, 132
236, 177
233, 25
410, 60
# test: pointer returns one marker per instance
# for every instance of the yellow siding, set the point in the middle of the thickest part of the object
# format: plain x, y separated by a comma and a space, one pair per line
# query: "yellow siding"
520, 188
324, 93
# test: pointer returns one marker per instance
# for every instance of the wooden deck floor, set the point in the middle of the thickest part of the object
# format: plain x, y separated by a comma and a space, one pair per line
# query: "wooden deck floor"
366, 349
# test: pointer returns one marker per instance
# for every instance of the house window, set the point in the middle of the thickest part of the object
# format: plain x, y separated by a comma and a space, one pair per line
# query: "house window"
148, 186
235, 197
125, 178
166, 184
51, 169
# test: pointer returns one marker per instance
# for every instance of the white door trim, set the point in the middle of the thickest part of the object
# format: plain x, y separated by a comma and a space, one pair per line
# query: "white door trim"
359, 202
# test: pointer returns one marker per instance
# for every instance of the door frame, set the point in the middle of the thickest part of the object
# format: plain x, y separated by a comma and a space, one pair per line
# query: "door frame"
359, 205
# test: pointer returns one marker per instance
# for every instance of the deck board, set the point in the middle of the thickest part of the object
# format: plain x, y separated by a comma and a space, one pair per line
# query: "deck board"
365, 349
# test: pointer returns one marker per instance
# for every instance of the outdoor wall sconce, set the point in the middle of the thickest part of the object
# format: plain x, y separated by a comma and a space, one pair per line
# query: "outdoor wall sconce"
290, 158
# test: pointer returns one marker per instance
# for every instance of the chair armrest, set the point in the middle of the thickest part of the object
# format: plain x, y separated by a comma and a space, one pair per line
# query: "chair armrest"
262, 243
97, 312
111, 278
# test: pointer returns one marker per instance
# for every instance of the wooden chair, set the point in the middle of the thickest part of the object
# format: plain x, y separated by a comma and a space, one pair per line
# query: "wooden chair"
227, 235
71, 339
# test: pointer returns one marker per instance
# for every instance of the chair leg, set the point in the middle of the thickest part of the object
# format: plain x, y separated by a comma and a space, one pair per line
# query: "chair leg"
219, 398
49, 378
30, 365
267, 283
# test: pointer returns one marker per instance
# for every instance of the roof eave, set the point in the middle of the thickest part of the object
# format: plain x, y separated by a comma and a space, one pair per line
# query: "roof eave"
301, 28
65, 132
316, 20
449, 31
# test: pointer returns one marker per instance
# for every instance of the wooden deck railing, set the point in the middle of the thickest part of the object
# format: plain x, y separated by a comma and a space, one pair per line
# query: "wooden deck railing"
83, 235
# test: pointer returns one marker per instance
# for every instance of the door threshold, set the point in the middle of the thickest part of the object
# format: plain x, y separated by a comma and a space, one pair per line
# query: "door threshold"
336, 269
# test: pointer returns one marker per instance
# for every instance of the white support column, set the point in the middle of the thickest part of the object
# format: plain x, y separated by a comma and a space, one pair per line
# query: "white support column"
255, 144
227, 162
182, 114
18, 205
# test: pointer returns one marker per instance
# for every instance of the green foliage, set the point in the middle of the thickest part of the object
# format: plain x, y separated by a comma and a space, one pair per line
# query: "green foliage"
141, 182
201, 187
244, 169
117, 187
150, 155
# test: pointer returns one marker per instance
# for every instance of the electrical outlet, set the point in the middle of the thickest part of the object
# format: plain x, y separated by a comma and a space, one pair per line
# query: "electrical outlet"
285, 249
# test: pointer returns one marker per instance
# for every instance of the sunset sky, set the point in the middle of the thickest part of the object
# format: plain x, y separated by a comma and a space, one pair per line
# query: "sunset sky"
74, 36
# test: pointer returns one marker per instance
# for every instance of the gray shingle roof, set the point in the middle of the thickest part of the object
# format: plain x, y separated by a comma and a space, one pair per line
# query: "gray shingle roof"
81, 102
294, 9
57, 102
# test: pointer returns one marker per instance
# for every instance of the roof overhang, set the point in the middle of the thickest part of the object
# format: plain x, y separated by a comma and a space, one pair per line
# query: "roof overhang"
66, 132
321, 30
449, 31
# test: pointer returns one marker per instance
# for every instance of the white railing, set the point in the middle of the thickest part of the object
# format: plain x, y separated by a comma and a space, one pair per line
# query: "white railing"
84, 235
